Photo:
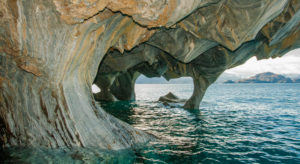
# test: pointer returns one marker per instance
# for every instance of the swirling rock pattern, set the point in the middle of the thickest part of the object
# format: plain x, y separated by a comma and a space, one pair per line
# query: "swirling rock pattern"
52, 51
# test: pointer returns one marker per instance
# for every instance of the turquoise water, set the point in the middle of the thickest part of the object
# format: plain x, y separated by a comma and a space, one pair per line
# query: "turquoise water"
236, 123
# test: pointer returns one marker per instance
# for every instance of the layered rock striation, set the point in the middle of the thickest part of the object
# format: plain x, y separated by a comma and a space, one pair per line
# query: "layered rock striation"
52, 51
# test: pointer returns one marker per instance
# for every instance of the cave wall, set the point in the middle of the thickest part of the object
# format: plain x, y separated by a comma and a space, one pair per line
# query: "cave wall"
52, 51
47, 69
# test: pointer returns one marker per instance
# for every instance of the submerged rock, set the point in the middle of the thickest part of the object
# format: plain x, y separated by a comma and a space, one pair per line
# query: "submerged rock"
52, 51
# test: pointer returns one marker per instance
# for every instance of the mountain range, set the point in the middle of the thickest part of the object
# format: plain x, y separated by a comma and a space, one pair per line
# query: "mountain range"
160, 80
267, 77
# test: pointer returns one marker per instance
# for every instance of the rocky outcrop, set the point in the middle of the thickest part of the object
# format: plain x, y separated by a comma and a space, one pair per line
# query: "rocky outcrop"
52, 51
170, 98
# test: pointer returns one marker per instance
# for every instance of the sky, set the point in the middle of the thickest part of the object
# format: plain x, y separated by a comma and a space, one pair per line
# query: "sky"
288, 64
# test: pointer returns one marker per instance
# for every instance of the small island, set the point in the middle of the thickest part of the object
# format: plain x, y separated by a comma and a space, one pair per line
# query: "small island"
267, 77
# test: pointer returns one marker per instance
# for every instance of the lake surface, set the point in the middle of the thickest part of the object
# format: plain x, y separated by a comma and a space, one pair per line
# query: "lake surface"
236, 123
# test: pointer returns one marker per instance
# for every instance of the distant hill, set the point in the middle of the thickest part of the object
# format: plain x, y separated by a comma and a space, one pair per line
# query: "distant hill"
160, 80
267, 77
183, 80
226, 77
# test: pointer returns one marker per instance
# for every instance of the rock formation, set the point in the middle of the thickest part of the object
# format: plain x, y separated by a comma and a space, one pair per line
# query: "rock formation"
52, 51
170, 98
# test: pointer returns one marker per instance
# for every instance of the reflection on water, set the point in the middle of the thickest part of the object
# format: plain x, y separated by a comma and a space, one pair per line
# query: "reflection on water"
236, 123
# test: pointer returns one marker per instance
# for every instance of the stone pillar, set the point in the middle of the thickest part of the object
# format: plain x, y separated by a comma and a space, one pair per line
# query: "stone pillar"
200, 86
123, 87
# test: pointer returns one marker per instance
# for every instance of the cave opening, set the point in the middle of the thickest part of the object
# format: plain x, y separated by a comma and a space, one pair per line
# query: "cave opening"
147, 88
118, 72
129, 76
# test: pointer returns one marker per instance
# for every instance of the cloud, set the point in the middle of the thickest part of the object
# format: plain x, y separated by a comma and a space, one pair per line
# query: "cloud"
288, 64
295, 53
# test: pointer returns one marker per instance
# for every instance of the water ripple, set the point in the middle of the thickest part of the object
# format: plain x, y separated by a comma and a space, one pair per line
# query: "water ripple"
235, 123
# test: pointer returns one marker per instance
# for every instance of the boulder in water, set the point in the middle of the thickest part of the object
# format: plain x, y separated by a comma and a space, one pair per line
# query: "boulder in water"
170, 98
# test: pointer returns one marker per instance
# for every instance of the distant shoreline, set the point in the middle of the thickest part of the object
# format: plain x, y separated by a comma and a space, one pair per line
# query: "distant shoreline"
266, 78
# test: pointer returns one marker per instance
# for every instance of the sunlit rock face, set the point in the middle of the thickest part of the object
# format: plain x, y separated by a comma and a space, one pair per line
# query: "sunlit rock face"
52, 51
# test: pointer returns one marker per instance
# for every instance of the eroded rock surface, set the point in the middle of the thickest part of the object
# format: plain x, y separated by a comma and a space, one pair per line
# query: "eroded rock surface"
52, 51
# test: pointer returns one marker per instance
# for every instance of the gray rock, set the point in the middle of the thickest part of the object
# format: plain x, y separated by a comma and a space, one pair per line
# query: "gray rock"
170, 98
